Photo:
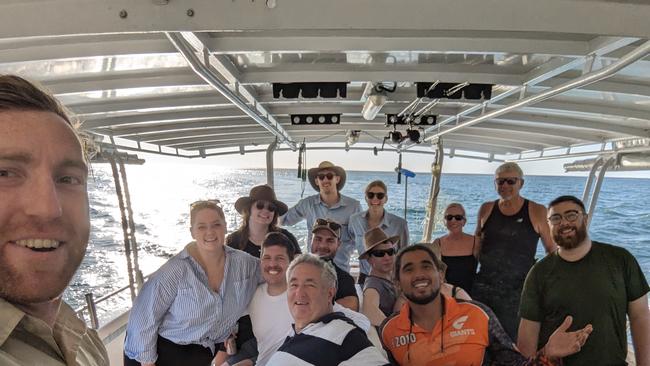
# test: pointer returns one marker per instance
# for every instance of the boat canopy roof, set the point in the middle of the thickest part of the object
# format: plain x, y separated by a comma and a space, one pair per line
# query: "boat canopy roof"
514, 79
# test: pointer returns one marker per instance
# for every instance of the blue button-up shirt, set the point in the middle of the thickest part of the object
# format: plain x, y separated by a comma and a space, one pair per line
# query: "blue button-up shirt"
391, 225
178, 304
312, 208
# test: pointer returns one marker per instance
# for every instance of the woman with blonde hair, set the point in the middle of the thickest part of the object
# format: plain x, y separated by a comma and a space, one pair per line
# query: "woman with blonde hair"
458, 250
376, 194
191, 304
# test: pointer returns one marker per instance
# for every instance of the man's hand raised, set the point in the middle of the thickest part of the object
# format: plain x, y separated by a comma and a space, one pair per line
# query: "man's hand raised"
562, 343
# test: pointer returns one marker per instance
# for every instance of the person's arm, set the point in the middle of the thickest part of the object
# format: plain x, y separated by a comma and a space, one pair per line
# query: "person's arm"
540, 223
462, 294
146, 315
560, 344
350, 302
295, 214
404, 237
528, 336
640, 328
483, 212
370, 306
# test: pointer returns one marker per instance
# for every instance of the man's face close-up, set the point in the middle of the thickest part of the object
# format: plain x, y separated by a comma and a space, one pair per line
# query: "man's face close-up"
419, 279
326, 180
324, 244
308, 295
44, 222
568, 224
508, 184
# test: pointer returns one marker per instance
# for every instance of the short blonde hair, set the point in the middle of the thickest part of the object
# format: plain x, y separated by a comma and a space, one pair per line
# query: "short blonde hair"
510, 166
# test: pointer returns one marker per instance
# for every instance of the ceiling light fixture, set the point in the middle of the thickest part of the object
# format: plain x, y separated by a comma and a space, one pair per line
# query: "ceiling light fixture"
375, 100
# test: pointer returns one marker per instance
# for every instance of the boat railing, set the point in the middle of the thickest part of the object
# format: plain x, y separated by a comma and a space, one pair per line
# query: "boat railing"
91, 305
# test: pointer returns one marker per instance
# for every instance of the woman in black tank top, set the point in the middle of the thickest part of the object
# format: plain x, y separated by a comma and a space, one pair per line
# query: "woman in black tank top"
458, 249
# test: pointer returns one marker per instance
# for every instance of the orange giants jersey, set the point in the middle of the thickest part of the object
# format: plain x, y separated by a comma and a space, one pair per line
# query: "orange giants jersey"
460, 338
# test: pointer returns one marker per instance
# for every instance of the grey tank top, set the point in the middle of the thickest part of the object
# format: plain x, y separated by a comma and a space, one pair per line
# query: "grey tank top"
386, 290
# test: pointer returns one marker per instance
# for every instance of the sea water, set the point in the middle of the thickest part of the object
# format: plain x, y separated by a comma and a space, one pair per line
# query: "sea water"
161, 194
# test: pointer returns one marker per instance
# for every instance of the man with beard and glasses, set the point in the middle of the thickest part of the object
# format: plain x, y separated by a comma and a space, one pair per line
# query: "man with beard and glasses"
509, 230
434, 329
325, 244
596, 283
44, 230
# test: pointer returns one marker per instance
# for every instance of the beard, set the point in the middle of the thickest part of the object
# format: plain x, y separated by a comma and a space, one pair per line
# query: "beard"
26, 286
571, 242
422, 300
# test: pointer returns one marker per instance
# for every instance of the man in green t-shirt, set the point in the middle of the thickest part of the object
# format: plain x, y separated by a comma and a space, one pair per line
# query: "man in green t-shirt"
596, 283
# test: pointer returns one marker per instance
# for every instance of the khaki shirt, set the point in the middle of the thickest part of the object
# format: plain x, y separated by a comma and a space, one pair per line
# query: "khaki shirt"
26, 340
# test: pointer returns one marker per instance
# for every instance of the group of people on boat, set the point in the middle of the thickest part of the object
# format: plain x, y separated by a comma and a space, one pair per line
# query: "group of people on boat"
252, 298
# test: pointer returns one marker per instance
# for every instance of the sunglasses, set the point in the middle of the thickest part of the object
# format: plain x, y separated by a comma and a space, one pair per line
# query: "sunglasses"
266, 204
454, 217
329, 176
215, 202
380, 253
379, 195
330, 224
570, 216
510, 181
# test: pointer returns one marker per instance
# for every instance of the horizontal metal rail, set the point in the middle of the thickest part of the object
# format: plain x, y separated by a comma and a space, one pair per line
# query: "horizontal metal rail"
80, 311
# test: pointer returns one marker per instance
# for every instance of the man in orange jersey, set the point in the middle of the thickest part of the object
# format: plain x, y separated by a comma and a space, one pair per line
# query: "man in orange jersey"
433, 329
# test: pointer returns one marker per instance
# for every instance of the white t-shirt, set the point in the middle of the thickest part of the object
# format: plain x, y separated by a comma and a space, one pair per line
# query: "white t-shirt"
271, 321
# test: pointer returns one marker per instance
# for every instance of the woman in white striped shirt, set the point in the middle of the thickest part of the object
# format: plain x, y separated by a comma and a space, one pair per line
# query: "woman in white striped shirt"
192, 303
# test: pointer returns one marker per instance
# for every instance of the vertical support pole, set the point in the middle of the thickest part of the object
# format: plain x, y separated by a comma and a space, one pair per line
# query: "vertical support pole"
269, 163
406, 195
92, 311
134, 244
590, 179
436, 171
125, 227
599, 183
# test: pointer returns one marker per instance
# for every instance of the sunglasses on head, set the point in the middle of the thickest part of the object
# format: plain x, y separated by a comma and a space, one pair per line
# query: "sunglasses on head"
454, 217
380, 253
510, 181
331, 224
329, 176
270, 206
215, 202
379, 195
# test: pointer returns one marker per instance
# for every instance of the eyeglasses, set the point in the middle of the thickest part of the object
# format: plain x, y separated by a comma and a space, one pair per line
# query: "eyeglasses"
569, 216
454, 217
380, 253
329, 176
379, 195
510, 181
330, 224
215, 202
270, 206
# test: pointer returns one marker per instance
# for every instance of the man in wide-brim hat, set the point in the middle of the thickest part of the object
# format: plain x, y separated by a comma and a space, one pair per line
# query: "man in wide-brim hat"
328, 179
379, 292
317, 174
